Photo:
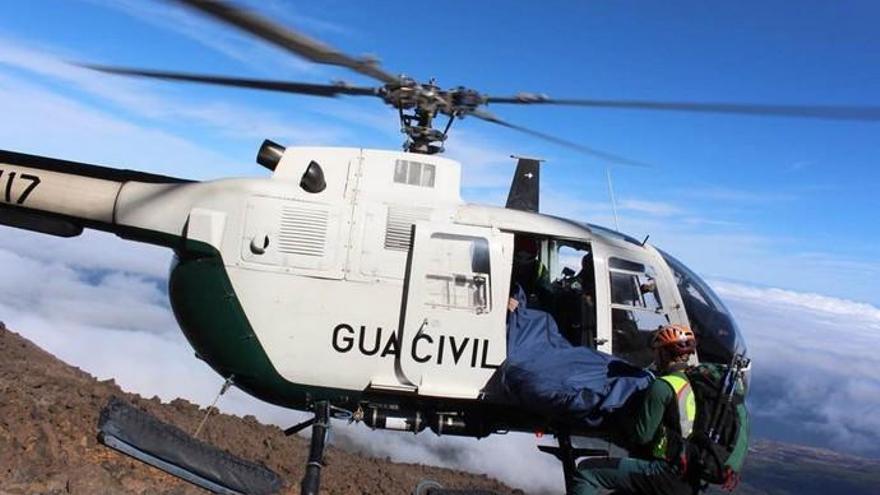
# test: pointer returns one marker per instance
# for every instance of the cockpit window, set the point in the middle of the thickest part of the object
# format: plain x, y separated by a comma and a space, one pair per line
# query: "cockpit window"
718, 337
636, 310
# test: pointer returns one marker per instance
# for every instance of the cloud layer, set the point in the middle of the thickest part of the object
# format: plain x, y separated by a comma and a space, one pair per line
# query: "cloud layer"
815, 375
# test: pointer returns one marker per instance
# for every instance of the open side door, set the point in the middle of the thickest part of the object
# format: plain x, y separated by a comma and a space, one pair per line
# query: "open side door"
453, 317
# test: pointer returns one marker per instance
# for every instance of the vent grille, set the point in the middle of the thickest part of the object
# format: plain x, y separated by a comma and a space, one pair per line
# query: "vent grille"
398, 228
303, 231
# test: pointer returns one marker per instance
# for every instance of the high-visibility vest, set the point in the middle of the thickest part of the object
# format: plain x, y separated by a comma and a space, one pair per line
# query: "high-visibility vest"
687, 412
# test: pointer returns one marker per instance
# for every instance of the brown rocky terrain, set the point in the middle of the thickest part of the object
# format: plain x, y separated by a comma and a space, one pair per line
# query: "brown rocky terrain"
48, 445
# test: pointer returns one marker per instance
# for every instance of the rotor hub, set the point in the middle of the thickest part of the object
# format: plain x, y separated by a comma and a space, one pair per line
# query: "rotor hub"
419, 103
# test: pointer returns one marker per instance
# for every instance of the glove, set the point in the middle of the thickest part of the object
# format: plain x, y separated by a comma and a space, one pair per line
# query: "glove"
731, 480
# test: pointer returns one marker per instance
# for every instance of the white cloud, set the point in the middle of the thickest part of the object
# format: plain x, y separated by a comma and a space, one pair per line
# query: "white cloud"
43, 121
485, 164
866, 315
286, 15
815, 366
145, 100
58, 292
653, 208
238, 46
92, 250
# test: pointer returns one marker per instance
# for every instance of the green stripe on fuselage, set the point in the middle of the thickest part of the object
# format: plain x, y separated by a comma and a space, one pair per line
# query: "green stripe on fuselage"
212, 319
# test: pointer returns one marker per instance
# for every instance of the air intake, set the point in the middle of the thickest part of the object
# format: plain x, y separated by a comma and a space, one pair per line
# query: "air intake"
270, 154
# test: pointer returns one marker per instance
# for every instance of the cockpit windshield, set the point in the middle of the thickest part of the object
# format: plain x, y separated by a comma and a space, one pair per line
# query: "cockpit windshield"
718, 337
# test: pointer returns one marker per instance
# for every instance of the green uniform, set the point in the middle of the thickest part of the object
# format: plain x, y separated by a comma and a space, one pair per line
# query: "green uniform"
646, 475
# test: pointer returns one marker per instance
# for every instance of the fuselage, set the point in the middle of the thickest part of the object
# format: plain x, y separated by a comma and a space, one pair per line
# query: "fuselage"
383, 291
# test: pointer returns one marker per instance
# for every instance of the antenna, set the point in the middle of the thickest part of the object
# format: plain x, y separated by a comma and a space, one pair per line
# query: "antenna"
611, 194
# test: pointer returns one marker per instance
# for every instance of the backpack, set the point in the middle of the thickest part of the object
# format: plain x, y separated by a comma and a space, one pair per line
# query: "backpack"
721, 420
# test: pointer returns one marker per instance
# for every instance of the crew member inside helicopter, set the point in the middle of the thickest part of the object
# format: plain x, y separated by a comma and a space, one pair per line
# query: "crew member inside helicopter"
570, 298
575, 295
530, 273
587, 280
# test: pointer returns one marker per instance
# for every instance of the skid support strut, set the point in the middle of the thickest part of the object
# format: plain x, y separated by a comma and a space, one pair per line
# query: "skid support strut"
311, 482
568, 455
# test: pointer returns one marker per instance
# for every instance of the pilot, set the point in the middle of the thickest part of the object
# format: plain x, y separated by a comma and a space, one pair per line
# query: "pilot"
651, 470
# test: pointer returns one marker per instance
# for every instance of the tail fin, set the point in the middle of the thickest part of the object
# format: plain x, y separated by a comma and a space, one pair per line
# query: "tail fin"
524, 189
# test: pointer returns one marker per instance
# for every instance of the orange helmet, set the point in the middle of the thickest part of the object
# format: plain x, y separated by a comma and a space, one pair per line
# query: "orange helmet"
677, 339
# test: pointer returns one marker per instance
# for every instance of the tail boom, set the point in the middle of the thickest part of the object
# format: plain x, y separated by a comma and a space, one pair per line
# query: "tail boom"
61, 197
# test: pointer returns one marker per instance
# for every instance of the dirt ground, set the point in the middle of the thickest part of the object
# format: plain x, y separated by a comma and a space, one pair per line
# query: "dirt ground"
48, 445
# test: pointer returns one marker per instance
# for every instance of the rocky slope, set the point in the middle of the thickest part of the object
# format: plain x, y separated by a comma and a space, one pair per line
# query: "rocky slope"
49, 411
785, 469
48, 417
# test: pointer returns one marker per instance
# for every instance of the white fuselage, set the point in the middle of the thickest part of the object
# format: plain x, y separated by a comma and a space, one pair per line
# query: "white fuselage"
329, 279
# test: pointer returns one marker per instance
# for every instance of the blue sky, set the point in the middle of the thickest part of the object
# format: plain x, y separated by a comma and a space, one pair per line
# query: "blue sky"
773, 201
779, 214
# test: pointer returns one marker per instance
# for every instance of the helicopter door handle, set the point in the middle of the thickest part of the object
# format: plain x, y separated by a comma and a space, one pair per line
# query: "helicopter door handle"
481, 296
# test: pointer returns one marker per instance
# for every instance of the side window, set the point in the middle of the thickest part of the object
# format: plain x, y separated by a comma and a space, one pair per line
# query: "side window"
636, 310
459, 276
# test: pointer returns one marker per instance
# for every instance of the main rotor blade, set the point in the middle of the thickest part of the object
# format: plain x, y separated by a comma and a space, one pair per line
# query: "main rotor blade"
868, 113
282, 86
288, 39
609, 157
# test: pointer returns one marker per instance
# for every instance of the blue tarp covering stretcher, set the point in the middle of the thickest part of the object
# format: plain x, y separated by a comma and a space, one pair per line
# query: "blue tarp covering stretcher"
547, 374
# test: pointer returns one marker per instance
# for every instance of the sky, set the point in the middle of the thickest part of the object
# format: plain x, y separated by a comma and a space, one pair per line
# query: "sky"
778, 213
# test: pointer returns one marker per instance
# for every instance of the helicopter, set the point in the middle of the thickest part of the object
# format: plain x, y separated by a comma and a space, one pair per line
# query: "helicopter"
276, 282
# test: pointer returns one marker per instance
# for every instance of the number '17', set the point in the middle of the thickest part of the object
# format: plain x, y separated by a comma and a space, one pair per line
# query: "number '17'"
10, 180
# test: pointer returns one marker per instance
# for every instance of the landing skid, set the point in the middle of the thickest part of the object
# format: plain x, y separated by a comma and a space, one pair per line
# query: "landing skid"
431, 487
136, 433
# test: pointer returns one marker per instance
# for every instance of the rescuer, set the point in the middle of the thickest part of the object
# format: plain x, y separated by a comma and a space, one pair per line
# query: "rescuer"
669, 405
